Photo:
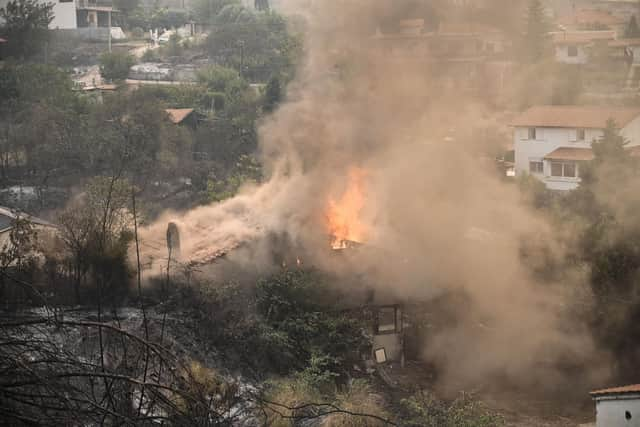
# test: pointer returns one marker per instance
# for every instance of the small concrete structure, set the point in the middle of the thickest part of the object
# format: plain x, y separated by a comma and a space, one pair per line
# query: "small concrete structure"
618, 407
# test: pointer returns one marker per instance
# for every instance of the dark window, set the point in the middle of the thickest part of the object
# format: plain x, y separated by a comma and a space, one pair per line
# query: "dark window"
566, 170
536, 167
570, 170
572, 51
387, 320
532, 133
579, 134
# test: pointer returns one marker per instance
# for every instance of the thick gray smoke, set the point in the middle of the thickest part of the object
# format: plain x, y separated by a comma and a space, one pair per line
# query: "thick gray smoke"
434, 204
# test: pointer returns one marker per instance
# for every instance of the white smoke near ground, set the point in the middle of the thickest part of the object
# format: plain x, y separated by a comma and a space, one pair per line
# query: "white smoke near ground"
433, 203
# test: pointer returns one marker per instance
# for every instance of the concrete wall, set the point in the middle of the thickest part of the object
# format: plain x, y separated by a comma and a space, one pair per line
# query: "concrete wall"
64, 15
562, 55
611, 411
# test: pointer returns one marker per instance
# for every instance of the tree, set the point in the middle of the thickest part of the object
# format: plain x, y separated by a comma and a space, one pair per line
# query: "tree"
95, 230
261, 4
632, 30
273, 95
26, 24
206, 10
611, 146
536, 33
115, 66
258, 45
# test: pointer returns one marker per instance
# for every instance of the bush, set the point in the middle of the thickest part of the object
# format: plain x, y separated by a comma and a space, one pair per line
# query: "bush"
138, 33
424, 410
115, 66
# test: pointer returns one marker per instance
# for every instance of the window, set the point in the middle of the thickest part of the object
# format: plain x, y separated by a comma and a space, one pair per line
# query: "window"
564, 170
389, 320
536, 166
572, 51
579, 134
532, 133
570, 170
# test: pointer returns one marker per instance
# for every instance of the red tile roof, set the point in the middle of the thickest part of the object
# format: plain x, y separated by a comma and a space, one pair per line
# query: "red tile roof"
177, 115
581, 37
624, 42
634, 388
570, 153
572, 116
590, 16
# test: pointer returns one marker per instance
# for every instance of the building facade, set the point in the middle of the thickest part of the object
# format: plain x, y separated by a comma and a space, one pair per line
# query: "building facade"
553, 142
618, 407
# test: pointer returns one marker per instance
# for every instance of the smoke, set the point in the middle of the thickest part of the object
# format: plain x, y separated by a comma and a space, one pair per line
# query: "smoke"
434, 205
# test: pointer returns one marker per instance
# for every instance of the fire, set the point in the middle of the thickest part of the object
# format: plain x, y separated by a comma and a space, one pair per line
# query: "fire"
343, 215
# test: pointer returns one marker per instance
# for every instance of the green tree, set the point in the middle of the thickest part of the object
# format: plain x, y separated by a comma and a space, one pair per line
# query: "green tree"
115, 66
536, 36
632, 30
261, 4
26, 24
258, 45
206, 10
272, 95
96, 231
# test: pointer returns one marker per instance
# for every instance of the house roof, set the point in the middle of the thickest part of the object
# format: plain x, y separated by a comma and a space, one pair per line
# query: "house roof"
624, 42
100, 87
590, 16
581, 37
570, 153
177, 115
8, 216
573, 116
634, 388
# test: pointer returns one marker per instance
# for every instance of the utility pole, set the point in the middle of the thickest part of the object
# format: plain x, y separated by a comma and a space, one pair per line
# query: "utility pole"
109, 36
242, 58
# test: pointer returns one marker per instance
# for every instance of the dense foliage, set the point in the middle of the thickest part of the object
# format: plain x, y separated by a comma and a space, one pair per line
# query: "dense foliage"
25, 26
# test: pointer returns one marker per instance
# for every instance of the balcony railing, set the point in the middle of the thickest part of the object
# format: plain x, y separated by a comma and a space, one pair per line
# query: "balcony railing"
88, 4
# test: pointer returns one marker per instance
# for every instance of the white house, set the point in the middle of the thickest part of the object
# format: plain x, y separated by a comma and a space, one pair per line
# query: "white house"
64, 13
618, 407
576, 47
551, 142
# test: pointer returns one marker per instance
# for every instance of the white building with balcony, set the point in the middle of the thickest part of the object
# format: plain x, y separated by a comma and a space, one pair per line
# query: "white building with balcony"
552, 142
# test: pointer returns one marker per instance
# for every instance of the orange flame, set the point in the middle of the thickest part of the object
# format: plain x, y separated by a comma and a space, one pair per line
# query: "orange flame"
343, 215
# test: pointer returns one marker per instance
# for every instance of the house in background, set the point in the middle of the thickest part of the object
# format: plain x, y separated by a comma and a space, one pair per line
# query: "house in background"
552, 142
577, 47
592, 19
8, 218
618, 407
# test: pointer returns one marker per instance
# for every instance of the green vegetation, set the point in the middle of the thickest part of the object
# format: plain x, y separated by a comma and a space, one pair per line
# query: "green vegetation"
115, 66
535, 39
26, 27
425, 410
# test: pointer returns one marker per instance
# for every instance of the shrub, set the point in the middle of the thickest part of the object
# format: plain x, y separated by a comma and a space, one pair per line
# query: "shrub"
115, 66
424, 410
